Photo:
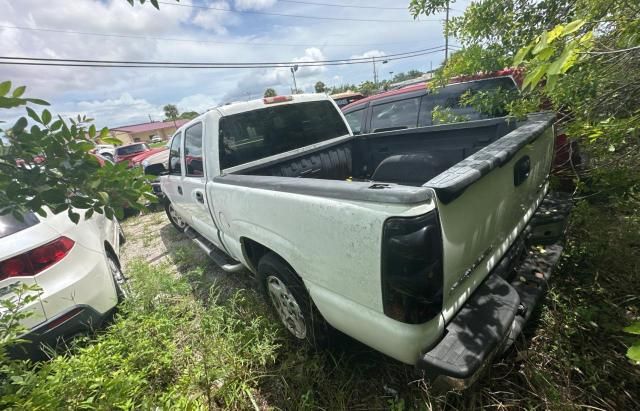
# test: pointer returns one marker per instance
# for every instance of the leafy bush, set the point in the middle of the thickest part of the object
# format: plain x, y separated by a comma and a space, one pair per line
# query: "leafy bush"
44, 162
164, 349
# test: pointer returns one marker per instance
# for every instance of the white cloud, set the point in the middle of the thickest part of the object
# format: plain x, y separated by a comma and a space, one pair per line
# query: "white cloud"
216, 21
254, 4
120, 96
369, 54
196, 102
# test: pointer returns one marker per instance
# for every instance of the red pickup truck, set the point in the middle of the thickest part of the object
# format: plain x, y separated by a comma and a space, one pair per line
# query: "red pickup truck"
412, 106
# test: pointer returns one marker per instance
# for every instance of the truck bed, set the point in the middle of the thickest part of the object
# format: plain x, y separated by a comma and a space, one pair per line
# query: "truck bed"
396, 166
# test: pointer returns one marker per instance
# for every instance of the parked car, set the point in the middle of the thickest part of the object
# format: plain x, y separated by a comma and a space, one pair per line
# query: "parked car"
123, 153
413, 106
106, 150
156, 139
138, 159
415, 242
155, 165
76, 267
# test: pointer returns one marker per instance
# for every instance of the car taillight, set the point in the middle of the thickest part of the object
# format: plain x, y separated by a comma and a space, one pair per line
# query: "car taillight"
412, 278
34, 261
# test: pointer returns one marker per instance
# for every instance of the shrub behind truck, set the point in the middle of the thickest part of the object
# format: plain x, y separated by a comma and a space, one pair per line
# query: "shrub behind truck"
415, 242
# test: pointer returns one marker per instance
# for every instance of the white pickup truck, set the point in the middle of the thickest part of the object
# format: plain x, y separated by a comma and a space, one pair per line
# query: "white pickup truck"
416, 242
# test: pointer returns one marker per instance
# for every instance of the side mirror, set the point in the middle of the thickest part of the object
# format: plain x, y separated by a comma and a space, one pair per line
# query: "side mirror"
155, 169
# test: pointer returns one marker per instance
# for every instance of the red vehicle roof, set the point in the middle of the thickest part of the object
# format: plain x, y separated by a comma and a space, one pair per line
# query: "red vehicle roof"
142, 156
515, 73
146, 127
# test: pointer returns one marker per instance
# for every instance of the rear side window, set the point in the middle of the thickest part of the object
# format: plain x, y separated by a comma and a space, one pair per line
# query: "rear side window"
257, 134
175, 152
134, 148
395, 115
193, 151
11, 225
355, 120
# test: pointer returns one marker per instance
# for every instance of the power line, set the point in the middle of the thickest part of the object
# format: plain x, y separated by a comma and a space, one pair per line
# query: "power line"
133, 36
299, 16
300, 63
311, 3
100, 64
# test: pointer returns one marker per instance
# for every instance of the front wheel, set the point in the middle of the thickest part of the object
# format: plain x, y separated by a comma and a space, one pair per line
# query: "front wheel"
174, 217
287, 295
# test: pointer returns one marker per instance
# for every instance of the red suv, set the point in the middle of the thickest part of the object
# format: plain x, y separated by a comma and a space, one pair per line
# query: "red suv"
124, 153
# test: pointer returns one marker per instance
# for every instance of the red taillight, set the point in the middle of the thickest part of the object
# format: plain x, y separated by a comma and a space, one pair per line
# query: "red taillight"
277, 99
36, 260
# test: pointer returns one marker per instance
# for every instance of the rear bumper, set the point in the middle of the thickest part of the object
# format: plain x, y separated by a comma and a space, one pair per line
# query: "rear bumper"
494, 315
77, 319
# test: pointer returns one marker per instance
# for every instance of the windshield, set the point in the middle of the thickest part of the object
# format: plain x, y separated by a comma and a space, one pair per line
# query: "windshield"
134, 148
257, 134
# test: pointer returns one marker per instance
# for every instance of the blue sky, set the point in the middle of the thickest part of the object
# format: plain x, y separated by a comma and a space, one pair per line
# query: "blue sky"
118, 96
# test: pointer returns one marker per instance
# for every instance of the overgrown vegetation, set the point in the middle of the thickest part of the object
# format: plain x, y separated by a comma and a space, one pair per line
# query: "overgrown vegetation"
45, 162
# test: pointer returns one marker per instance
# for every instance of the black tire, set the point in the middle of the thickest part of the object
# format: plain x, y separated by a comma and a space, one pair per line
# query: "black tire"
120, 281
316, 330
175, 219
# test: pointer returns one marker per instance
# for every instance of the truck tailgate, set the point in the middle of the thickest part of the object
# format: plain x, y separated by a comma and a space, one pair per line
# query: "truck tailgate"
486, 200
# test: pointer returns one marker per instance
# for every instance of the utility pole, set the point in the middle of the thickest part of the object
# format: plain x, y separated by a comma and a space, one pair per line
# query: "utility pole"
375, 73
446, 36
293, 73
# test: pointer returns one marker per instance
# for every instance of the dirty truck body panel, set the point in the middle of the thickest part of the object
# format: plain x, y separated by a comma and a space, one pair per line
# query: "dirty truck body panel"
385, 257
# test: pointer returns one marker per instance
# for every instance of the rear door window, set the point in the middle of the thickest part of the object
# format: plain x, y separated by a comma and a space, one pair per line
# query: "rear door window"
11, 225
395, 115
355, 120
256, 134
193, 151
175, 154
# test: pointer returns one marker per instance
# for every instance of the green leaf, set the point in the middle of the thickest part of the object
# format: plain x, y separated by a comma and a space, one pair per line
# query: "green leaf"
573, 27
56, 125
111, 140
31, 112
552, 80
155, 4
555, 33
532, 79
633, 328
20, 125
37, 101
92, 131
562, 63
54, 195
521, 54
73, 216
104, 197
88, 214
5, 86
46, 116
104, 133
545, 53
634, 352
542, 44
19, 91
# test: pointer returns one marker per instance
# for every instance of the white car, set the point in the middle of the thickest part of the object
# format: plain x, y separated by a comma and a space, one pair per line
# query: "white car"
106, 150
75, 266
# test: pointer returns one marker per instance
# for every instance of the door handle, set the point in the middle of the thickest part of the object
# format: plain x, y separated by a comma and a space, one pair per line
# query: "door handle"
179, 190
521, 170
199, 197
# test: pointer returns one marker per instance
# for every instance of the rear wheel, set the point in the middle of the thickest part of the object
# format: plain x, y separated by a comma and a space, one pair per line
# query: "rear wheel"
174, 217
286, 294
119, 280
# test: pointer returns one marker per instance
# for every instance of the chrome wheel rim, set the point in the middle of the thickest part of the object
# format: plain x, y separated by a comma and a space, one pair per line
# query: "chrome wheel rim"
287, 307
118, 278
175, 217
